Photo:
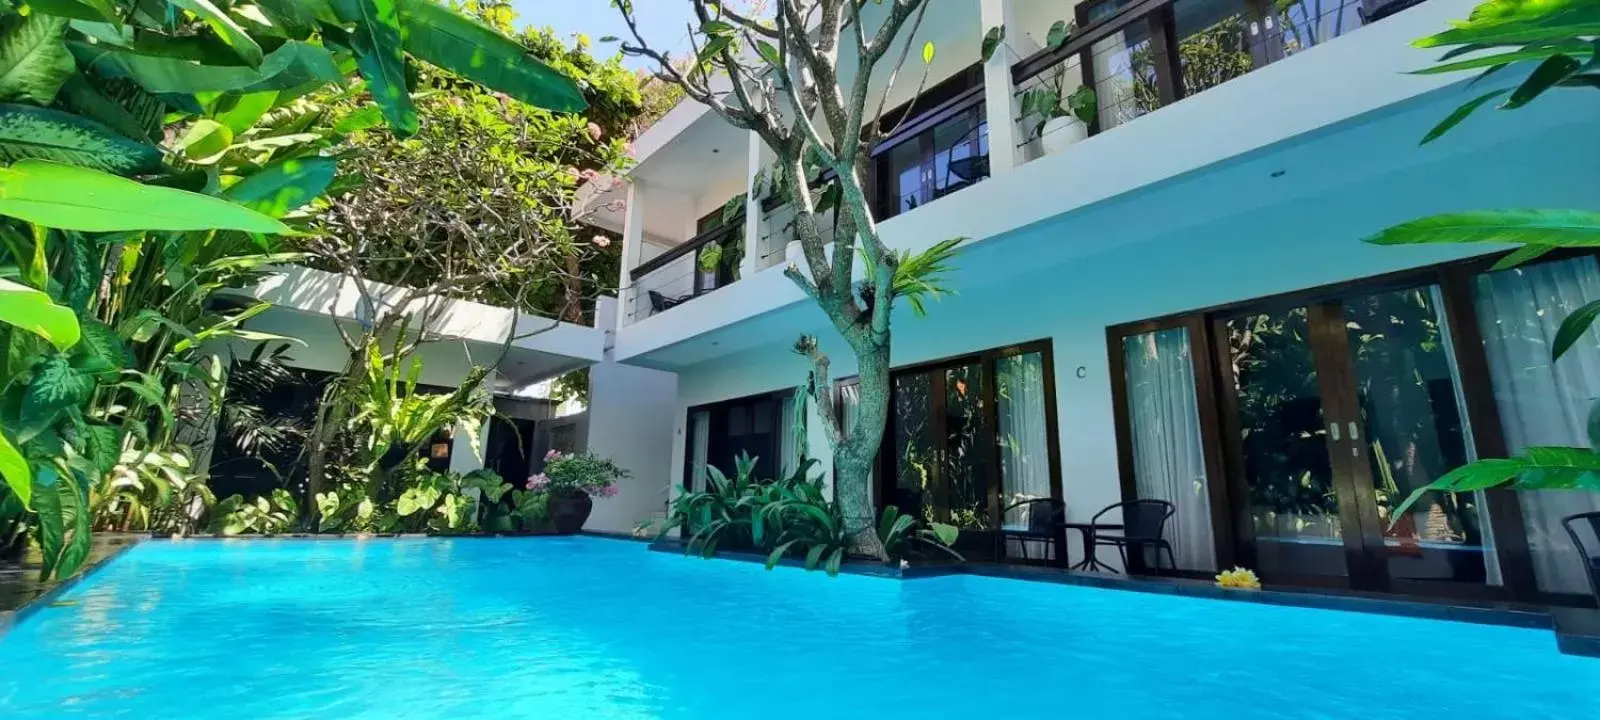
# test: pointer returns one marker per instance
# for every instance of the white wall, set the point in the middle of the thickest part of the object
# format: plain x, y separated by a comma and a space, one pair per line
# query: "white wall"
951, 25
630, 420
1293, 245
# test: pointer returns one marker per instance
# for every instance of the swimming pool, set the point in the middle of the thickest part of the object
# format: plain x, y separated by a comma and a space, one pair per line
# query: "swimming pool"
595, 628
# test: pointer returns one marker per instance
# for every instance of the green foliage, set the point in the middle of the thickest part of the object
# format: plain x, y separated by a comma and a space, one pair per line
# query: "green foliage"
991, 41
788, 517
902, 536
217, 118
917, 277
580, 473
270, 515
159, 492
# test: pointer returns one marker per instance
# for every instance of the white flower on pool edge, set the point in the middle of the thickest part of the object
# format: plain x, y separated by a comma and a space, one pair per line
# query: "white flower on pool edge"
601, 241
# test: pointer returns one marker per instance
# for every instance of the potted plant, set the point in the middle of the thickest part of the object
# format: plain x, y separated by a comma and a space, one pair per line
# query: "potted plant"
572, 481
1060, 123
709, 260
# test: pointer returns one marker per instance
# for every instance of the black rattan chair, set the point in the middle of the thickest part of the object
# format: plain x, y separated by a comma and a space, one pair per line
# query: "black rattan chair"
1144, 525
660, 303
1047, 521
1589, 550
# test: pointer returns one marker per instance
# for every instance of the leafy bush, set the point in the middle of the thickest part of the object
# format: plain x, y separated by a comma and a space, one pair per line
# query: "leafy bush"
792, 516
567, 475
269, 515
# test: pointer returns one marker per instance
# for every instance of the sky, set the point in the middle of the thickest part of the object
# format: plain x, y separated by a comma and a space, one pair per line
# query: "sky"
662, 22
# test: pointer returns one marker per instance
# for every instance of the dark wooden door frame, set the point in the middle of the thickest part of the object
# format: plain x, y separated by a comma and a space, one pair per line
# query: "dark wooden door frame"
987, 360
1218, 409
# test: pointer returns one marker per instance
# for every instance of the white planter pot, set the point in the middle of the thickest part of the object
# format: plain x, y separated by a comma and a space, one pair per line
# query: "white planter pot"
1060, 133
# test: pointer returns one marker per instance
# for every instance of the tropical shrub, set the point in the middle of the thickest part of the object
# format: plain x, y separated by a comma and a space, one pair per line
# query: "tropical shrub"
792, 516
157, 491
530, 509
1557, 37
569, 474
269, 515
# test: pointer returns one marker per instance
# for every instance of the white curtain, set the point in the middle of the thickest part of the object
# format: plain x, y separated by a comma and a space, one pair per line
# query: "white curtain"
1168, 459
700, 433
1541, 403
1024, 446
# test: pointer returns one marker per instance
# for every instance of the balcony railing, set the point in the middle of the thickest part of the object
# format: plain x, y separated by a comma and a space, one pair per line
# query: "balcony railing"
1140, 55
685, 272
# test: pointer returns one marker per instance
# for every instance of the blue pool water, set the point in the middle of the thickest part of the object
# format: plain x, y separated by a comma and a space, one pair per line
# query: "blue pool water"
592, 628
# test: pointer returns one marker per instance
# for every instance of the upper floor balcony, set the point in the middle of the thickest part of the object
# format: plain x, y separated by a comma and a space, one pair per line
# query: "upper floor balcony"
1064, 77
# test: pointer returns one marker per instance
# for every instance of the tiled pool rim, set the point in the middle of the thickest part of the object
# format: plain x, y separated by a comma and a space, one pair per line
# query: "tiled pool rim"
1577, 630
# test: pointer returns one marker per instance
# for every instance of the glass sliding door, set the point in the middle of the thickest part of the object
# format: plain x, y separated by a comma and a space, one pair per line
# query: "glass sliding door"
1297, 523
1410, 410
969, 438
1339, 410
1542, 402
1169, 460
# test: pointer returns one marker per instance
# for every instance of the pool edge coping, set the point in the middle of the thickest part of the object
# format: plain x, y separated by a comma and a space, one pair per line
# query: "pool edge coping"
10, 618
1576, 630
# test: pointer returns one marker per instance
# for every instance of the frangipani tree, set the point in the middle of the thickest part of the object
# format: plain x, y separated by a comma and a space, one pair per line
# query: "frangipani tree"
1556, 37
783, 79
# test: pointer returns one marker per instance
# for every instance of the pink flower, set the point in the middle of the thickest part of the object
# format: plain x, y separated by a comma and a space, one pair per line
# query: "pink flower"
538, 482
602, 241
588, 175
617, 205
617, 183
595, 132
554, 454
608, 491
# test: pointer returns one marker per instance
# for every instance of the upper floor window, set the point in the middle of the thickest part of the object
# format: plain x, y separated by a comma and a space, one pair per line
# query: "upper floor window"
938, 144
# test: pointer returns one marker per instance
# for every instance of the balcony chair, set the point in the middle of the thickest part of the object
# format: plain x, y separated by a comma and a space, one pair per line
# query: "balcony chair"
660, 303
1589, 550
1144, 524
1047, 521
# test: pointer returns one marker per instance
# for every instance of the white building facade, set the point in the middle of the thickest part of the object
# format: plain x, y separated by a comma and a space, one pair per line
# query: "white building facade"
1176, 307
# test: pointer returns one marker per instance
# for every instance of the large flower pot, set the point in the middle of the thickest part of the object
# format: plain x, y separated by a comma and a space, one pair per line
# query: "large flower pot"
568, 513
1061, 133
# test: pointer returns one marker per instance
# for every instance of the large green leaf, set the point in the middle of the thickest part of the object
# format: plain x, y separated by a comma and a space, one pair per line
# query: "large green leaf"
32, 310
56, 386
205, 141
444, 38
159, 73
15, 470
33, 59
52, 527
226, 28
74, 508
100, 11
1553, 70
32, 132
1535, 468
381, 58
1555, 228
80, 96
283, 187
1573, 328
73, 198
100, 341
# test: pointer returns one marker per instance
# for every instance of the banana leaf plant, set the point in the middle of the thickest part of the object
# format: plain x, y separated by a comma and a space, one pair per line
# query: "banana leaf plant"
152, 151
1556, 40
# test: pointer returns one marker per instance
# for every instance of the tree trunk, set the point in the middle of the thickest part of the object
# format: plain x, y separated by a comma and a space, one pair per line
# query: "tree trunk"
854, 455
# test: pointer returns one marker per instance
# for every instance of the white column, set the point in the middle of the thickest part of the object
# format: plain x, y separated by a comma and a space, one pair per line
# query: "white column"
1000, 99
462, 458
632, 251
752, 209
632, 415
